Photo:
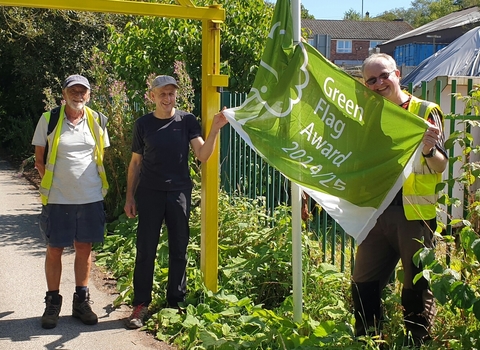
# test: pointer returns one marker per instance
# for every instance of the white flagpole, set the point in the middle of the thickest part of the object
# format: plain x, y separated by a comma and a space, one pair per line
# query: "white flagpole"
296, 205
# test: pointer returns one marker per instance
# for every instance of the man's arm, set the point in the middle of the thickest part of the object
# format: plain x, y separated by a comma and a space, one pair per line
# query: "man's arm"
39, 165
132, 183
204, 149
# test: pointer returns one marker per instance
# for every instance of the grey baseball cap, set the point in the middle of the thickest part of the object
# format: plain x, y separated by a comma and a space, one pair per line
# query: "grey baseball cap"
76, 79
164, 80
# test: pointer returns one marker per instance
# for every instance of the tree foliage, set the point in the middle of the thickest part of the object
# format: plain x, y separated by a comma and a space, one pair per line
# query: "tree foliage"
150, 44
305, 14
424, 11
398, 13
352, 15
38, 49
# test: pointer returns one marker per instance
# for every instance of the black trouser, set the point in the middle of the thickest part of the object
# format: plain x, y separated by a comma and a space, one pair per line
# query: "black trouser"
392, 239
153, 208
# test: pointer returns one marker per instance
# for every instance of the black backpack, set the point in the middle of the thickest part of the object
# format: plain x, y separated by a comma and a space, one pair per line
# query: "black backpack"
52, 123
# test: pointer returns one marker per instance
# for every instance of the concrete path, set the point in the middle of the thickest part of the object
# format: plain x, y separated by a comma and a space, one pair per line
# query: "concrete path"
22, 292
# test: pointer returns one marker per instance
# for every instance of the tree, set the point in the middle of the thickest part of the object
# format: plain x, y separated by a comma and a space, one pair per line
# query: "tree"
305, 14
466, 3
398, 13
426, 11
352, 15
38, 49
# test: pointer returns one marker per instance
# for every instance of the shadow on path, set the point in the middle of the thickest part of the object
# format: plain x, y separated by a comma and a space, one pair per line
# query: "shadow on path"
62, 333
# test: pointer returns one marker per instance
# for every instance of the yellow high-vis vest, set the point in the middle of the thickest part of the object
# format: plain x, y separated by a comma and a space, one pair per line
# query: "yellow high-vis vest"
419, 195
97, 133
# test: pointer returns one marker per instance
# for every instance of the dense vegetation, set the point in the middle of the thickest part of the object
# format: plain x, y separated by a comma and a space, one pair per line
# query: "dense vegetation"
39, 48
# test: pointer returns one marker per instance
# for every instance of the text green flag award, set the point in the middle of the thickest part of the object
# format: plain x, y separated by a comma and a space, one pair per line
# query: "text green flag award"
346, 146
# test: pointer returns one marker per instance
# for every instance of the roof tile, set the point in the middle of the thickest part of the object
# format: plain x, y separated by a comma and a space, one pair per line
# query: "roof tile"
357, 30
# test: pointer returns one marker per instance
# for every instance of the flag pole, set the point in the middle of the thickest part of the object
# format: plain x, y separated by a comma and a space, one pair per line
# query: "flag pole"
296, 205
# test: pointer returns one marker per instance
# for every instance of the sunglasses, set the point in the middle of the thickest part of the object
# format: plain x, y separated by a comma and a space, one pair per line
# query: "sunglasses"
382, 76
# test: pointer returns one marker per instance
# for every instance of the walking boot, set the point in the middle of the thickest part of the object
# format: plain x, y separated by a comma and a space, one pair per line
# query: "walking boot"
82, 310
418, 315
367, 308
52, 311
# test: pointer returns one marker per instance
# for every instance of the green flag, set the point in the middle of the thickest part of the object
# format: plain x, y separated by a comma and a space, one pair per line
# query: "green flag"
346, 146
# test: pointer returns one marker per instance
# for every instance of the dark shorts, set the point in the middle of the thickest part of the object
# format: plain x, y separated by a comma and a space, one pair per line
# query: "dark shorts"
62, 224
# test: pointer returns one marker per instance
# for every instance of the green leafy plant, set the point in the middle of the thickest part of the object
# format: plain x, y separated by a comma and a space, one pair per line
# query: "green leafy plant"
456, 282
253, 308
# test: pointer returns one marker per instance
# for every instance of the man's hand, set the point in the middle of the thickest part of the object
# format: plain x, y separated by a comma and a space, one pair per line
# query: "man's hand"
430, 138
219, 120
130, 208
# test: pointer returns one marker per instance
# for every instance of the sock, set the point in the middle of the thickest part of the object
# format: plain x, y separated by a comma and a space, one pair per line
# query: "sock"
55, 296
81, 292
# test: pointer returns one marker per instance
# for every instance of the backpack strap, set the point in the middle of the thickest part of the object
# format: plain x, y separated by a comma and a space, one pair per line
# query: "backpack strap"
102, 120
52, 122
55, 114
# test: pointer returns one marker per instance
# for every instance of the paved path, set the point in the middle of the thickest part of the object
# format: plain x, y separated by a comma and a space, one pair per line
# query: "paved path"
23, 285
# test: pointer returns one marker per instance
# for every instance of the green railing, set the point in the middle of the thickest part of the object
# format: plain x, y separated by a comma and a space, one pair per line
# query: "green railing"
244, 173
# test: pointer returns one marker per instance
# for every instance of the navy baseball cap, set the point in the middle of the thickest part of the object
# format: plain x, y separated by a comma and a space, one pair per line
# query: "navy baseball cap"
76, 79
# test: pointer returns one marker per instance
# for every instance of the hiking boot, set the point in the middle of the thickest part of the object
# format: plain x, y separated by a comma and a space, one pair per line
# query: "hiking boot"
137, 317
83, 311
51, 313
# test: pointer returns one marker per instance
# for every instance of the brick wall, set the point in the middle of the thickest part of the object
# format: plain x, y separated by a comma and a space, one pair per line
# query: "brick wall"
359, 51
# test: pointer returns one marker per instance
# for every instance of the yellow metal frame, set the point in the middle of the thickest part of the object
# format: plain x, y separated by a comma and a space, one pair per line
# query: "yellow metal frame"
185, 9
212, 17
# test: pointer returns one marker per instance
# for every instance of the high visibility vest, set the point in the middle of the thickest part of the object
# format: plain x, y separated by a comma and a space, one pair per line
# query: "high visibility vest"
419, 195
97, 133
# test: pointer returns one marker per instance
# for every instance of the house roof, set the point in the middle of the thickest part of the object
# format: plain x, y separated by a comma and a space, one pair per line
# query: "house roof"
357, 30
455, 19
460, 58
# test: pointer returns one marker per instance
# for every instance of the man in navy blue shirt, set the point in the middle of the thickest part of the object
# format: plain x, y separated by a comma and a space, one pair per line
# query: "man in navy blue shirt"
159, 186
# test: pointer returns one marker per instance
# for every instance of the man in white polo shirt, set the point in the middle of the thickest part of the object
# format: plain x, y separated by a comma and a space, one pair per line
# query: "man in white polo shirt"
69, 160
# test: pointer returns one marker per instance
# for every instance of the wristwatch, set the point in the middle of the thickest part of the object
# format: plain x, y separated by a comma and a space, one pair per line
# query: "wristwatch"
431, 153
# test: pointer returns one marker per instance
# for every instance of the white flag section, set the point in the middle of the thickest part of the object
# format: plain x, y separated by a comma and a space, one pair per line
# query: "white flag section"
345, 146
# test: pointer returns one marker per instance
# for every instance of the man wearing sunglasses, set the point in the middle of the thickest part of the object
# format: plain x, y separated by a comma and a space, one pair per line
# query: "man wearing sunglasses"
409, 220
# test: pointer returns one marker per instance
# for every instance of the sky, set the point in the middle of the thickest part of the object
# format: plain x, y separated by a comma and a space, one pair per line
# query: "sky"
324, 9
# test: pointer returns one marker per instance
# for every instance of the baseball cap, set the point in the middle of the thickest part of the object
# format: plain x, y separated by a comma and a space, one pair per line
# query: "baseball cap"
76, 79
163, 80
